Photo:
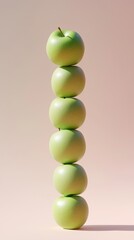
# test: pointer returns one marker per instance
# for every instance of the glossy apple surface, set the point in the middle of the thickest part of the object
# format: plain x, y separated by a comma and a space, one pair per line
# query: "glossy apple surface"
70, 179
65, 47
70, 212
67, 146
67, 113
68, 81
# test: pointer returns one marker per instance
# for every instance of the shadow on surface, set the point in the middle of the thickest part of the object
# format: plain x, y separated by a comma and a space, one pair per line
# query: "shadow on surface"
107, 228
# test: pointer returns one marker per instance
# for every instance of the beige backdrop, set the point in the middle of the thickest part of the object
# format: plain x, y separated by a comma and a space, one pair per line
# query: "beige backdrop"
26, 167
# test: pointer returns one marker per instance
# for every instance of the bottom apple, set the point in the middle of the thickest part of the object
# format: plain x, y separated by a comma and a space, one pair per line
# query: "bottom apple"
70, 212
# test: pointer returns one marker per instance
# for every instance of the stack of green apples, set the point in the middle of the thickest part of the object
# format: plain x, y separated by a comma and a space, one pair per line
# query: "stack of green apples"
67, 113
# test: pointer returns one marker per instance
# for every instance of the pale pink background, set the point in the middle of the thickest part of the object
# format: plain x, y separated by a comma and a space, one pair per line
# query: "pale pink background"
26, 167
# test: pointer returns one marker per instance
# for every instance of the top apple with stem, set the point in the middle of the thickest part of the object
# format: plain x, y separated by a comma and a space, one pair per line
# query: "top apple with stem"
65, 47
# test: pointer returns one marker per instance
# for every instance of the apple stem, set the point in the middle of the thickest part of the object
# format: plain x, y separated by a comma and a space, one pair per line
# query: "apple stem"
61, 31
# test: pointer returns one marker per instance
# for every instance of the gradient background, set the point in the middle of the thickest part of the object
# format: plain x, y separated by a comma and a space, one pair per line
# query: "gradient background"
26, 167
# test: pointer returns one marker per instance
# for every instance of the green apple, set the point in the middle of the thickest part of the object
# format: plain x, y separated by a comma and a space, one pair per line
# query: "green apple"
70, 179
70, 212
67, 146
67, 113
65, 47
68, 81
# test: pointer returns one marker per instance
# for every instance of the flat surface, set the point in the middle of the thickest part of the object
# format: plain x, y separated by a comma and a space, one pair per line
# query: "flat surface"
88, 231
26, 167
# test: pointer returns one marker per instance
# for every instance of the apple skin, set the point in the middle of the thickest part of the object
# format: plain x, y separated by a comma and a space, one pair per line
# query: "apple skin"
70, 212
70, 179
67, 113
67, 146
68, 81
65, 47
